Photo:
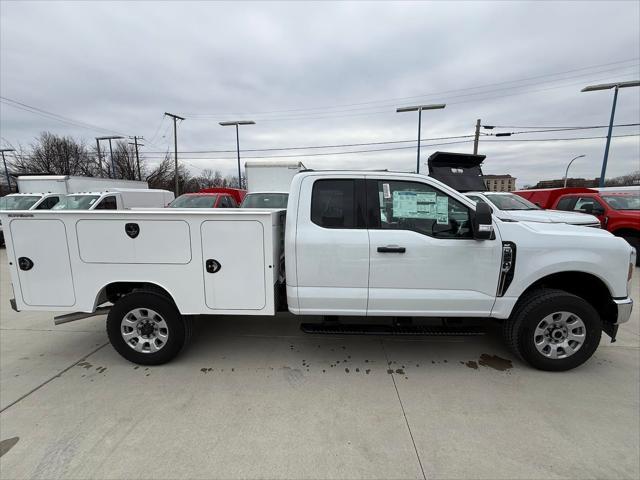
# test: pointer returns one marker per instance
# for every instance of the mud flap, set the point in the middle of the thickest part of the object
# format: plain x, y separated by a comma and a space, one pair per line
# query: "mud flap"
611, 330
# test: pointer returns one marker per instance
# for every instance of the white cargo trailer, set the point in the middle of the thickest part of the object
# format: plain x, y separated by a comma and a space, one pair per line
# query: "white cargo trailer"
72, 184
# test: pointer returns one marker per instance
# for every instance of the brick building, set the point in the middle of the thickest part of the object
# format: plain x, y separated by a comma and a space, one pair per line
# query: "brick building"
499, 183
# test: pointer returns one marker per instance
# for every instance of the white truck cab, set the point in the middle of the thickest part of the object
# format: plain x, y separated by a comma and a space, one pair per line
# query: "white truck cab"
509, 206
378, 244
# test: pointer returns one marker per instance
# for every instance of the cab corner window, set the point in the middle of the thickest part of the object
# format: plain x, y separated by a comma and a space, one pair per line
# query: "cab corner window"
423, 209
333, 203
107, 203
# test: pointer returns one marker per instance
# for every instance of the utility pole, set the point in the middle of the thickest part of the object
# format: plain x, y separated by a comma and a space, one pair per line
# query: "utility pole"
6, 172
112, 137
135, 143
175, 145
477, 138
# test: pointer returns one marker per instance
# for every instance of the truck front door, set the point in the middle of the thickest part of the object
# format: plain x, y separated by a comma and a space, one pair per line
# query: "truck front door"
332, 246
423, 258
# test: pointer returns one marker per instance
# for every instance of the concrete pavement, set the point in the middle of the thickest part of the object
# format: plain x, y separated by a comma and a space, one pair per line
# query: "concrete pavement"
255, 398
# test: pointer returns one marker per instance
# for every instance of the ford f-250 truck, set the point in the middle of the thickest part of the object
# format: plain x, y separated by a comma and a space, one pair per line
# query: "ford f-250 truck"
353, 244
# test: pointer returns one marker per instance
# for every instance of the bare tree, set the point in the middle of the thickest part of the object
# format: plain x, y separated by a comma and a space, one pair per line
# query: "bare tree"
56, 155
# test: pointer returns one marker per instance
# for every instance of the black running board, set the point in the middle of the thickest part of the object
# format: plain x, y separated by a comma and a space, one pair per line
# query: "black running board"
367, 329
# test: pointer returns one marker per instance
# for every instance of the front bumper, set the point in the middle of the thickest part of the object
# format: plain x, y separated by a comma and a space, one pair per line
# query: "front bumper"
624, 307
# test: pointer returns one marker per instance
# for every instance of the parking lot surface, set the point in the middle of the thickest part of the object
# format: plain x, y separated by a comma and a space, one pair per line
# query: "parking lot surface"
256, 398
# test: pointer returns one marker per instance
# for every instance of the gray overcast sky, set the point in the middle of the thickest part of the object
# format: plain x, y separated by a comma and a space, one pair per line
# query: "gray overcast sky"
328, 73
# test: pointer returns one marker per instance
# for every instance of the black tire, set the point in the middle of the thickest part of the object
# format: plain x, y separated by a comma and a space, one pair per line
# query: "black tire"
518, 331
177, 329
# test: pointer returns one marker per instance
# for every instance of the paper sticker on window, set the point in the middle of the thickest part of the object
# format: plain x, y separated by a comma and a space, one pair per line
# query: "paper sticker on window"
405, 204
386, 190
427, 197
442, 210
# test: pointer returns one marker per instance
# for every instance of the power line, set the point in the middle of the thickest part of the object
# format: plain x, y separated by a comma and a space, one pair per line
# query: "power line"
413, 147
396, 99
391, 142
53, 116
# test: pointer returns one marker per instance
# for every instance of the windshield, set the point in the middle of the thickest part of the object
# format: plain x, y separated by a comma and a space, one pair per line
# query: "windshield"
18, 202
194, 201
76, 202
265, 200
511, 202
623, 202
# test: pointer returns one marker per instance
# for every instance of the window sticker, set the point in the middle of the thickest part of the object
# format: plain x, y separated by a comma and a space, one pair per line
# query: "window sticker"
442, 210
405, 204
386, 190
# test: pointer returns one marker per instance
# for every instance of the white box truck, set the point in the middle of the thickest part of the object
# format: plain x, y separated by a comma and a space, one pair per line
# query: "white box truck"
72, 184
268, 183
367, 244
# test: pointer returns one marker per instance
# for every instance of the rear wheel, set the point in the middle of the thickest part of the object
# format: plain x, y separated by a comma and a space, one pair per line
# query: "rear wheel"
553, 330
146, 328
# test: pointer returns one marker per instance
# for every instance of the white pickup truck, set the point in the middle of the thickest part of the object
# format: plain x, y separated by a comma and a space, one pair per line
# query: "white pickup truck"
354, 244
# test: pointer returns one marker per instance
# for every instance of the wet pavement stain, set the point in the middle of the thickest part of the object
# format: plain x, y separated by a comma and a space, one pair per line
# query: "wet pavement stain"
8, 444
495, 362
471, 364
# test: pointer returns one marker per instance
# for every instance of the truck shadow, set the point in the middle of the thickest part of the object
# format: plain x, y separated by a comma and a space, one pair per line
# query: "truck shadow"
278, 343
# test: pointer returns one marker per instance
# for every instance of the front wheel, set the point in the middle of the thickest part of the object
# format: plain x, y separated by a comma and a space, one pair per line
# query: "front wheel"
146, 328
553, 330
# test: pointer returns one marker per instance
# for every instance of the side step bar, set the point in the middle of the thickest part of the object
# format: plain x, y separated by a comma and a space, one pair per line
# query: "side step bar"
367, 329
72, 317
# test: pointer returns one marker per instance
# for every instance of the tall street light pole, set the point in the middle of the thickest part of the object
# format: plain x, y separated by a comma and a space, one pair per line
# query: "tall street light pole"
566, 172
6, 172
419, 109
175, 145
616, 87
237, 124
112, 137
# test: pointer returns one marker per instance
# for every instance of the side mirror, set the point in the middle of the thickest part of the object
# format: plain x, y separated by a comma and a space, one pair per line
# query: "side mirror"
587, 208
598, 210
482, 222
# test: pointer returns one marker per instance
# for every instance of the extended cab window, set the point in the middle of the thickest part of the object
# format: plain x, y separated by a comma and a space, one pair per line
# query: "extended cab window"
333, 203
421, 208
107, 203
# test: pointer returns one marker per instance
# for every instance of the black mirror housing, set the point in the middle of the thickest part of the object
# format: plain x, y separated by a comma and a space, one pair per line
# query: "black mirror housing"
482, 222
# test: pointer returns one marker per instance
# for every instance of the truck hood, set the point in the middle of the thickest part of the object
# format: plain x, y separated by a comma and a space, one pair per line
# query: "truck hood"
548, 216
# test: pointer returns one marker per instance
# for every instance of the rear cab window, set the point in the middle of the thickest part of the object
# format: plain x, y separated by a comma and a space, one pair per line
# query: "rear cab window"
336, 203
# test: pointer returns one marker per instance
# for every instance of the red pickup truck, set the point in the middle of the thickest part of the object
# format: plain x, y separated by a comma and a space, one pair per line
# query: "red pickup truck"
618, 212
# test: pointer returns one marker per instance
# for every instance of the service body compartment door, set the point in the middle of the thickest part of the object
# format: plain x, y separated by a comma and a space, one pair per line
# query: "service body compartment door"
44, 268
234, 264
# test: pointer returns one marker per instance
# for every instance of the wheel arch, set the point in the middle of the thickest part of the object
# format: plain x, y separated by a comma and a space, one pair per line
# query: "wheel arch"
585, 285
111, 292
